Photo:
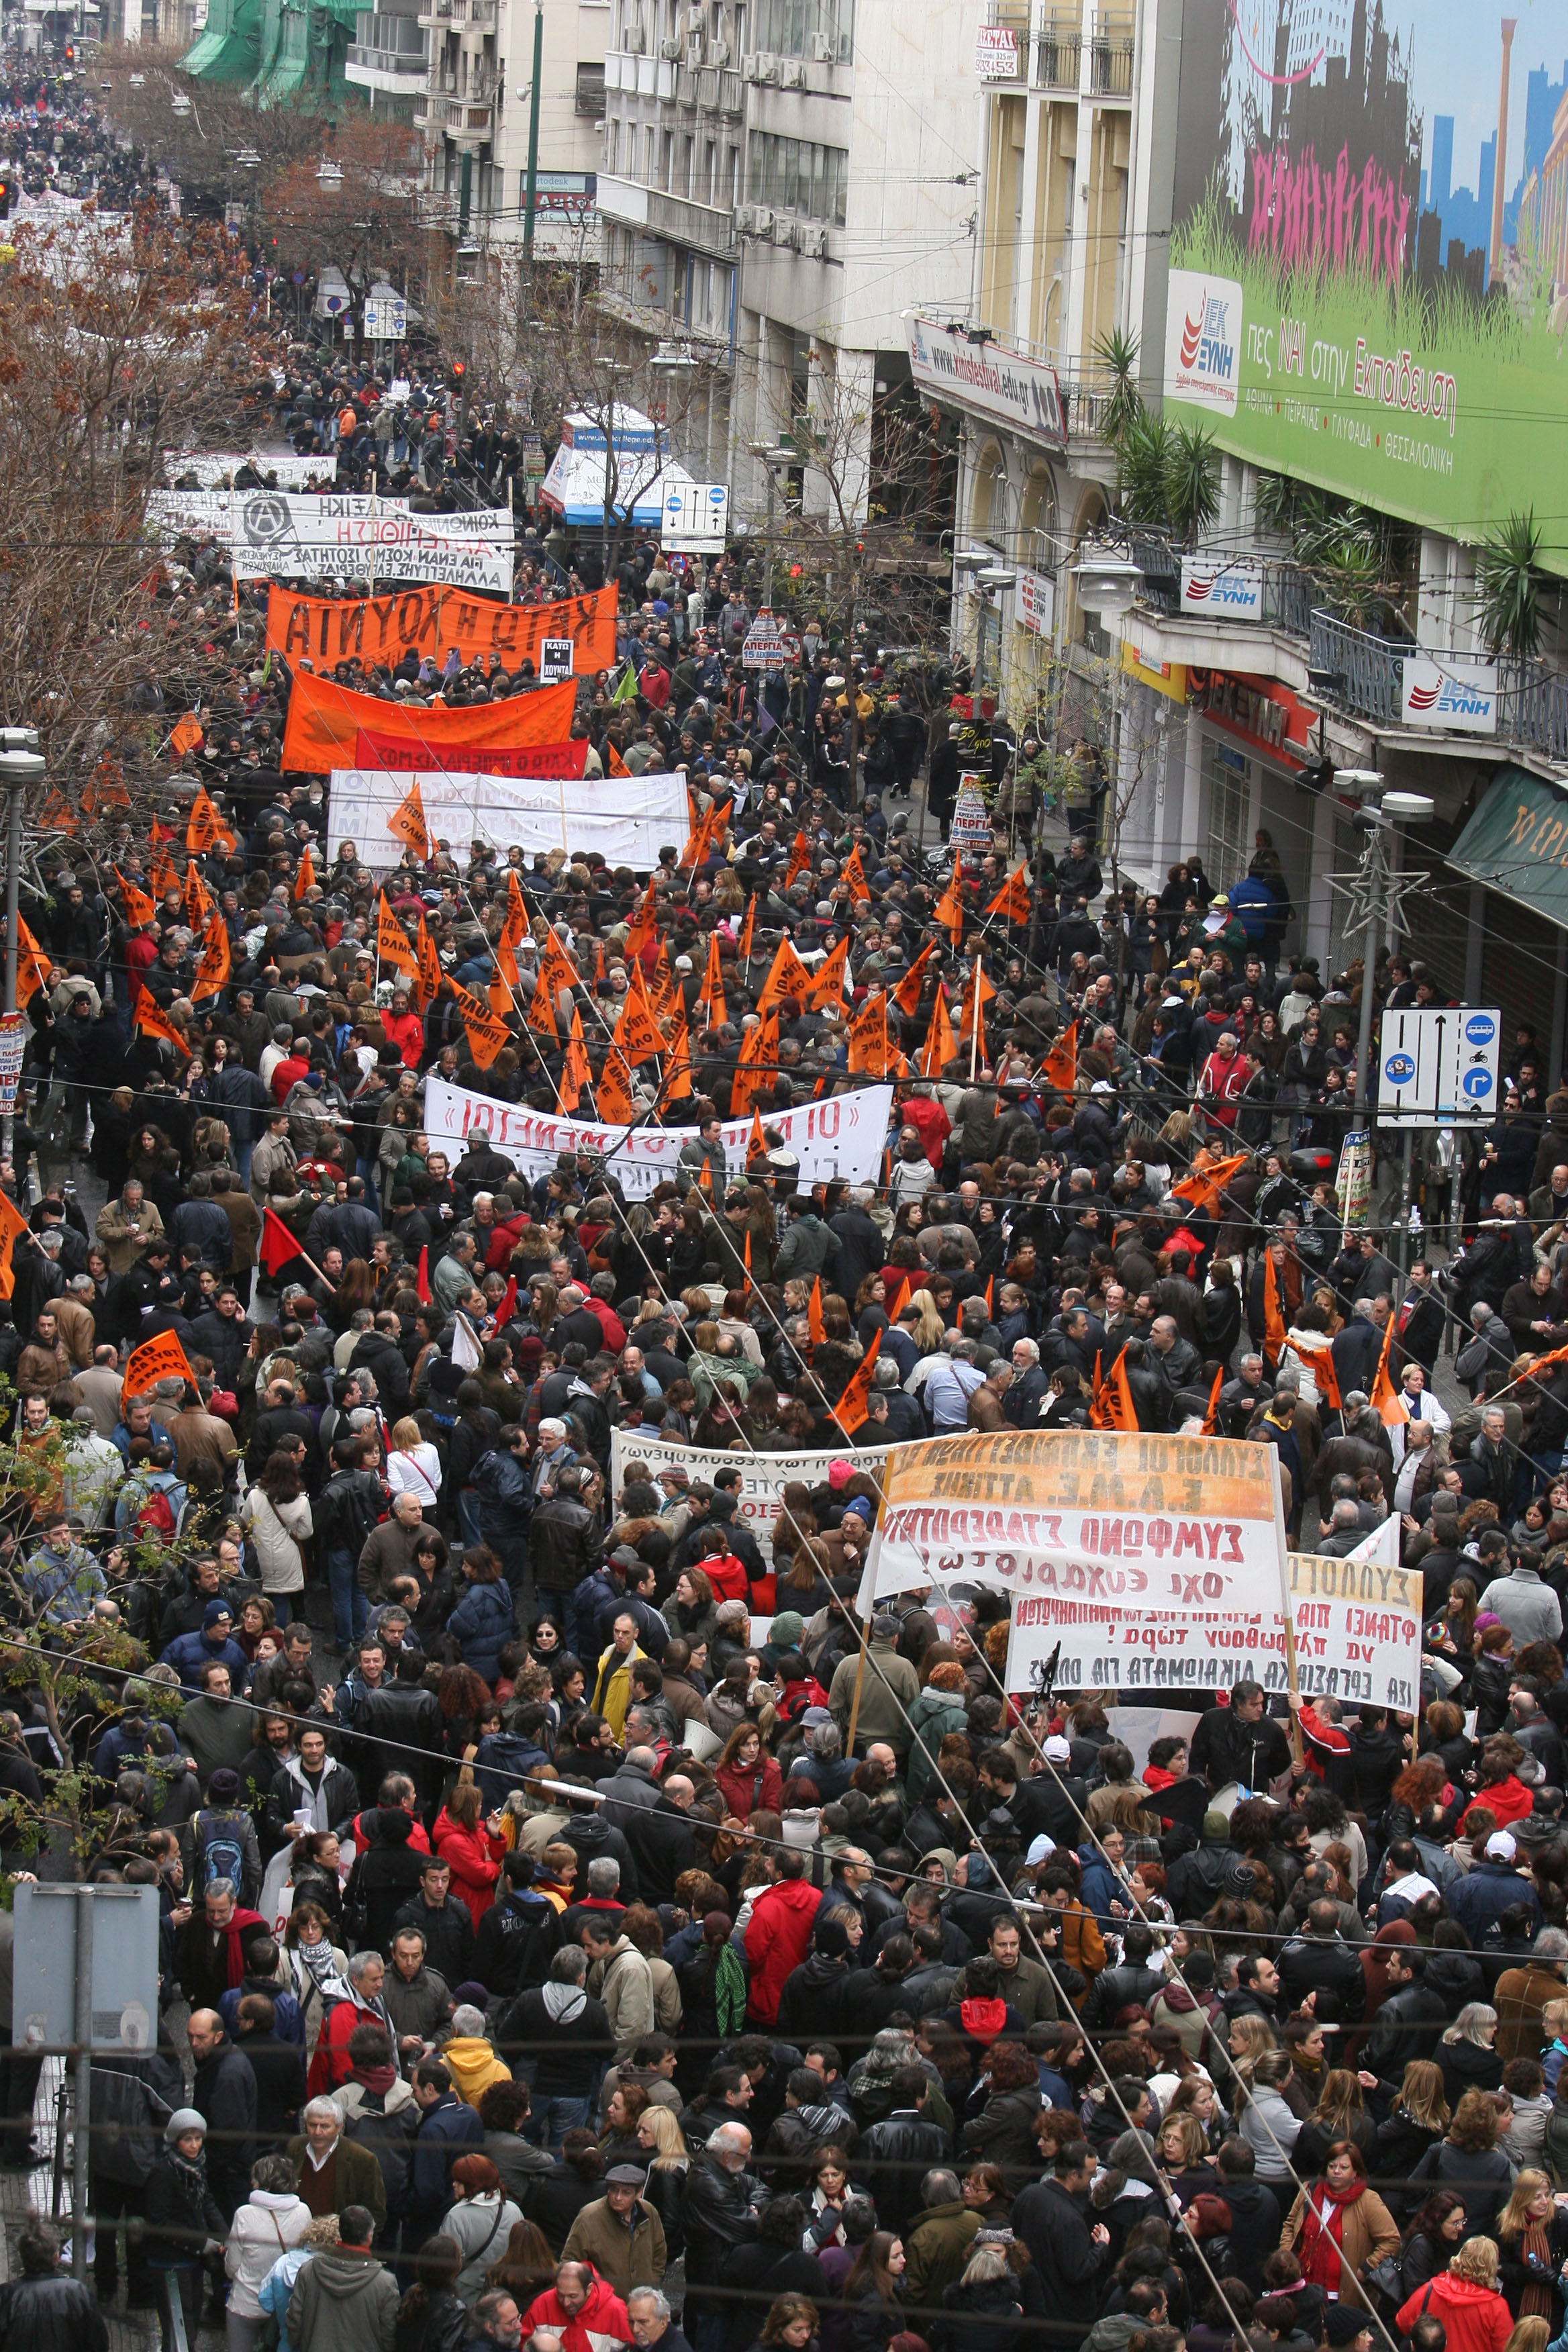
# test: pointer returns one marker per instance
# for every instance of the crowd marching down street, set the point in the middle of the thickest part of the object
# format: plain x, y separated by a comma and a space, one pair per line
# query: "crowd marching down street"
445, 1479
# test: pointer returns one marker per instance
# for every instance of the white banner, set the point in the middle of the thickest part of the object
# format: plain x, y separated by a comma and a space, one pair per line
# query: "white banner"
213, 470
277, 534
763, 1476
843, 1136
988, 380
1357, 1634
629, 818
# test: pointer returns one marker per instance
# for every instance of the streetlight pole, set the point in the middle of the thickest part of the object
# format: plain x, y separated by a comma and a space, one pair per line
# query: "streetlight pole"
531, 189
20, 765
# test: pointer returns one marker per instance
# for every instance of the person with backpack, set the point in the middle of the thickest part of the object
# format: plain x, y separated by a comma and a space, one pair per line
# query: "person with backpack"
222, 1841
379, 2114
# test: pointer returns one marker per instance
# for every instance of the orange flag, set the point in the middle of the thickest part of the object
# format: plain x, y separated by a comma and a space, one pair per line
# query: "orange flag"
756, 1147
1113, 1407
748, 928
711, 993
678, 1069
212, 972
198, 898
868, 1046
941, 1045
485, 1034
895, 1289
161, 1359
758, 1065
151, 1023
556, 967
1319, 1363
815, 1328
32, 966
503, 993
787, 977
13, 1225
612, 1093
849, 1412
698, 841
1273, 1320
306, 877
799, 859
406, 824
614, 763
139, 908
854, 873
429, 986
391, 941
574, 1072
1385, 1400
746, 1255
907, 995
163, 873
948, 908
827, 983
541, 1013
643, 925
186, 736
1203, 1188
1211, 1416
205, 829
637, 1034
1013, 899
1059, 1068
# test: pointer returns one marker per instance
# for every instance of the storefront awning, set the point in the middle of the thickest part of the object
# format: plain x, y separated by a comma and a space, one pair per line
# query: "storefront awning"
1517, 843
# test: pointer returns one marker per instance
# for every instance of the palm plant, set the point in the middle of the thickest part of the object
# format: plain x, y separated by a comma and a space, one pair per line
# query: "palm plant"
1119, 351
1509, 581
1144, 468
1192, 482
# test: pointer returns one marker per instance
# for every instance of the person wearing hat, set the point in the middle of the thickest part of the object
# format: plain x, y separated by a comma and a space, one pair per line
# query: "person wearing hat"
620, 2233
182, 2218
1490, 1887
215, 1645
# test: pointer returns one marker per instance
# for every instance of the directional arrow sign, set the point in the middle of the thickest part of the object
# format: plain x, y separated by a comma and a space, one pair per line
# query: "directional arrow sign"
1438, 1067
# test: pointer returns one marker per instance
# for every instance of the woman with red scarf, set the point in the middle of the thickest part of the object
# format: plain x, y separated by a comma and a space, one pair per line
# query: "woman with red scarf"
1340, 2228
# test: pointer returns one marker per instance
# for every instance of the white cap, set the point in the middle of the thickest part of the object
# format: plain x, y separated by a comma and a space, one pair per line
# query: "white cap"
1501, 1846
1057, 1750
1039, 1850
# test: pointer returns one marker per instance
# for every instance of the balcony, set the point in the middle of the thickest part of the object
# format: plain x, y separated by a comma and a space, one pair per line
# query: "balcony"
1110, 57
1058, 51
1287, 591
400, 64
436, 12
1533, 700
707, 228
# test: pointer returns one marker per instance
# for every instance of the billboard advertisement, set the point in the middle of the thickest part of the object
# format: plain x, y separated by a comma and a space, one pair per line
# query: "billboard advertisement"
1369, 268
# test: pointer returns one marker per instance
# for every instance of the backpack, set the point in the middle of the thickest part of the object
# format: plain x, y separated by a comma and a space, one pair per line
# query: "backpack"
391, 2141
155, 1514
218, 1852
501, 1763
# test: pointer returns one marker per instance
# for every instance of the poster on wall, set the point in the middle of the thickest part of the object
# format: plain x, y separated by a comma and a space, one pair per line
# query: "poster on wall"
1364, 293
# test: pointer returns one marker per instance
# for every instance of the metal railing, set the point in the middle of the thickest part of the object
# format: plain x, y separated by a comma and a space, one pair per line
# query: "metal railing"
396, 62
1058, 51
1110, 57
1532, 706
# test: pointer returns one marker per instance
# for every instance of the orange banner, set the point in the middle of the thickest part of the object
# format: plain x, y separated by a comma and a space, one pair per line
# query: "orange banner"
432, 621
325, 720
161, 1359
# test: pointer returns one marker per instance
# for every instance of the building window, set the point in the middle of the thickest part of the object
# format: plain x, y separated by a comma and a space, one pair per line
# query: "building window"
591, 91
822, 30
799, 176
1226, 858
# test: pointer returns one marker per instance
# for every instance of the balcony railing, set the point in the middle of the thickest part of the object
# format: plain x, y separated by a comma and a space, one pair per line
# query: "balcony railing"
1058, 51
1287, 591
1110, 57
394, 61
1533, 700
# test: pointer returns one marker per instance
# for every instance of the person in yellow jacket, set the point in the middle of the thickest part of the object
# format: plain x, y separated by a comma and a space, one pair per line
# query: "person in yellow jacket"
468, 2058
613, 1688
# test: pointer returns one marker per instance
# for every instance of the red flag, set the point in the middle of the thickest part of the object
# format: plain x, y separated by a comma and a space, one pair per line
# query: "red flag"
277, 1243
422, 1280
508, 1303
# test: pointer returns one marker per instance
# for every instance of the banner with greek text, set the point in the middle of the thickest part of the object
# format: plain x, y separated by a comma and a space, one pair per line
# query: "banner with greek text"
430, 621
629, 819
841, 1136
279, 535
213, 470
763, 1476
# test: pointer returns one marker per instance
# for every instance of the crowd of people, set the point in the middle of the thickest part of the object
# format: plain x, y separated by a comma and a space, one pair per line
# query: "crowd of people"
584, 1921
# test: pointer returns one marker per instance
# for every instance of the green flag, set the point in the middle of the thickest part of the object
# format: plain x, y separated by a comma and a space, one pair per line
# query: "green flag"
627, 686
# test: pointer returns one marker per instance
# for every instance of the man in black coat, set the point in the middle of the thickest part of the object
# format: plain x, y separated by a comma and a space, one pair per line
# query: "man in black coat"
861, 1249
1051, 2217
1411, 2017
224, 2095
1241, 1742
1254, 2211
719, 2208
1419, 1324
443, 1919
1321, 1961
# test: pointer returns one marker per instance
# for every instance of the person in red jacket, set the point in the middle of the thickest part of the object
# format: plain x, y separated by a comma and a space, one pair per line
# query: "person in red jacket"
330, 2065
778, 1934
404, 1029
587, 2315
1464, 2298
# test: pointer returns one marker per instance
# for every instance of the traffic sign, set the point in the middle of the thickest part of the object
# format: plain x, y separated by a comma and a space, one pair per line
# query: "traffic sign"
385, 321
767, 644
1439, 1066
554, 660
696, 517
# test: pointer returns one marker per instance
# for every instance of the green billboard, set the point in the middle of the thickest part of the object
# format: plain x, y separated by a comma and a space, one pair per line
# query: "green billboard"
1361, 296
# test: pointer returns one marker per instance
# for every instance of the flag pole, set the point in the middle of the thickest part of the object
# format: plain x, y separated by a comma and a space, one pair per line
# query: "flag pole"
1288, 1616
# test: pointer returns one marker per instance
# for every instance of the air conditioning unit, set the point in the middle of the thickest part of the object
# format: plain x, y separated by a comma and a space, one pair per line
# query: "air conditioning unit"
670, 49
695, 50
822, 48
764, 67
788, 235
814, 242
745, 220
635, 41
792, 75
719, 51
762, 221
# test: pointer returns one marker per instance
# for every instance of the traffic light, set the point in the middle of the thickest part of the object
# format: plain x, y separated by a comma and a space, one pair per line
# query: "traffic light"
70, 53
459, 369
1317, 776
7, 194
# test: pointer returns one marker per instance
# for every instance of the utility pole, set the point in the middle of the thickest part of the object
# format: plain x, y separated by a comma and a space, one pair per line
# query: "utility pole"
20, 765
530, 192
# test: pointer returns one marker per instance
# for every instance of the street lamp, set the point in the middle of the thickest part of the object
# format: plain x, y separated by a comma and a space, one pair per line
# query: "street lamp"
771, 457
1379, 813
1108, 586
20, 765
